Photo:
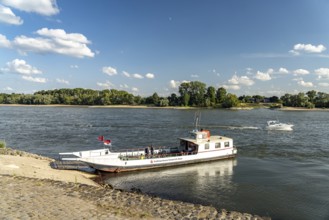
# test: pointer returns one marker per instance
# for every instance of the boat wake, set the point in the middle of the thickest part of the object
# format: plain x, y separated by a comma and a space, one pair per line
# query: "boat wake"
244, 128
281, 129
236, 127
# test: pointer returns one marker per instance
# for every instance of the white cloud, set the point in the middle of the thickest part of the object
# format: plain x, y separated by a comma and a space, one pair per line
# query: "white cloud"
8, 89
174, 84
297, 79
124, 86
195, 76
293, 52
233, 87
322, 73
62, 81
300, 72
307, 48
8, 17
60, 34
134, 89
74, 66
305, 84
106, 85
126, 74
137, 76
324, 84
149, 75
215, 72
4, 42
263, 76
249, 71
20, 67
34, 79
283, 70
243, 80
55, 41
234, 80
43, 7
109, 70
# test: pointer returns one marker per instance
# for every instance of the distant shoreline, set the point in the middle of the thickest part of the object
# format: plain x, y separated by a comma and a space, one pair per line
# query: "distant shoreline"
168, 107
99, 106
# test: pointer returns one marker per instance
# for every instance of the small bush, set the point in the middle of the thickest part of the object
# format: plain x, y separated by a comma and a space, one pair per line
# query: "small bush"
2, 144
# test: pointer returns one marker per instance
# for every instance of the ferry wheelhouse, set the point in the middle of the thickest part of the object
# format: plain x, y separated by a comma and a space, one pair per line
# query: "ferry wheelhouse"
200, 146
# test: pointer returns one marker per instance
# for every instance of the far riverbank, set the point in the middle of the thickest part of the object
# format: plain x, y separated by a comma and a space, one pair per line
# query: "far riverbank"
169, 107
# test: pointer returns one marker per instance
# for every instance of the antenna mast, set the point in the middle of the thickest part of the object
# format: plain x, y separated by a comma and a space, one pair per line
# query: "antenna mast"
197, 118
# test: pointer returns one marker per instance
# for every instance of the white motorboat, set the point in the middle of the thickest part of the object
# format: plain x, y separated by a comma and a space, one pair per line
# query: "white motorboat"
276, 125
200, 146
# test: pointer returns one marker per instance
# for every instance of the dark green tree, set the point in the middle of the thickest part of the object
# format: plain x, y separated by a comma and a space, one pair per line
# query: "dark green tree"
173, 100
194, 91
311, 96
221, 95
274, 99
230, 101
211, 96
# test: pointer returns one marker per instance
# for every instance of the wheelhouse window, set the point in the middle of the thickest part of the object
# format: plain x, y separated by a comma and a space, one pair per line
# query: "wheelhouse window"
206, 146
217, 145
227, 144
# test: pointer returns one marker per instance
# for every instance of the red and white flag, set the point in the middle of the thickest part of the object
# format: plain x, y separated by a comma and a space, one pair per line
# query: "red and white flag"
101, 138
107, 142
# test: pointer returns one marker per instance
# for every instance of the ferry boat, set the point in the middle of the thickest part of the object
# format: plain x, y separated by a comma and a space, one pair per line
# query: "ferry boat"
200, 146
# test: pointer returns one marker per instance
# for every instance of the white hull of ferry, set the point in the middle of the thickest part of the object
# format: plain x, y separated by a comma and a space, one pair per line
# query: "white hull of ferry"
113, 163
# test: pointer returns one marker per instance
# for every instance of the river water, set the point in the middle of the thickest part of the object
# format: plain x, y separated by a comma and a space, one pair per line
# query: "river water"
281, 174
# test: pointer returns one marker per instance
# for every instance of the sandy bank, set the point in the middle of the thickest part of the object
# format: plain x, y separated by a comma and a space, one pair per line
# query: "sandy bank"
302, 109
31, 189
40, 169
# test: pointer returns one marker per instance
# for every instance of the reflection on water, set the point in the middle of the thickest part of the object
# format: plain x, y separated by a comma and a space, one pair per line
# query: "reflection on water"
181, 183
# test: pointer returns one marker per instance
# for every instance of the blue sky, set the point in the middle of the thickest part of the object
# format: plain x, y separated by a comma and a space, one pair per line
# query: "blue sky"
249, 47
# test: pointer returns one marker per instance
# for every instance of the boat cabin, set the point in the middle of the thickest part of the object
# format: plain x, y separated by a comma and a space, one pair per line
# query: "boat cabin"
202, 141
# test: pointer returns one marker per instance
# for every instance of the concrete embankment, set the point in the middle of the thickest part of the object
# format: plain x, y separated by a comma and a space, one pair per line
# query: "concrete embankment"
31, 189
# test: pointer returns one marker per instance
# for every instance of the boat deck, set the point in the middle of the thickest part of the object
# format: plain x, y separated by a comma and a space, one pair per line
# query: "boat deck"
156, 155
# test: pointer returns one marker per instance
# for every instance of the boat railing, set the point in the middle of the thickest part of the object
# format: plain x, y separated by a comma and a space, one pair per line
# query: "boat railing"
160, 152
83, 154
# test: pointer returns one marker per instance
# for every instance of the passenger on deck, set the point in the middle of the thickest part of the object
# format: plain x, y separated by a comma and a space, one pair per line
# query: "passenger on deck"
152, 150
147, 152
191, 149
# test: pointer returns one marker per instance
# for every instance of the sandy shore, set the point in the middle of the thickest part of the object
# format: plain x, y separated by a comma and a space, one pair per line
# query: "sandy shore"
31, 189
40, 169
302, 109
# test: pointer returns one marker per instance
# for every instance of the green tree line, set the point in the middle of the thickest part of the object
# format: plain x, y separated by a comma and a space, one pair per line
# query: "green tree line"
193, 94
